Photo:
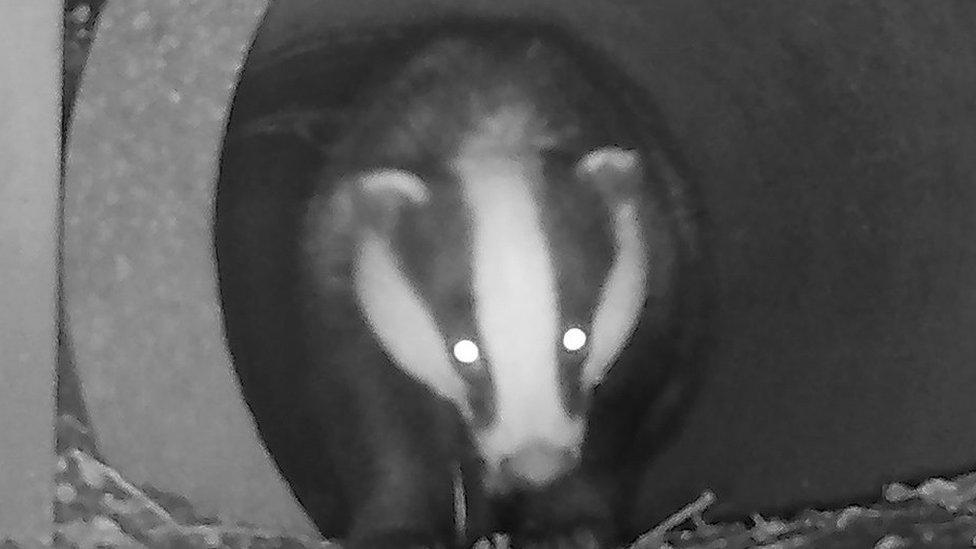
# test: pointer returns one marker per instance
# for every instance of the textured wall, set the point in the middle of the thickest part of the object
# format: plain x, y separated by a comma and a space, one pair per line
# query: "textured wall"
29, 126
139, 274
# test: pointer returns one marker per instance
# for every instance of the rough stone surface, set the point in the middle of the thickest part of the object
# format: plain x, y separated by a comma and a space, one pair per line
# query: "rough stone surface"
29, 68
139, 271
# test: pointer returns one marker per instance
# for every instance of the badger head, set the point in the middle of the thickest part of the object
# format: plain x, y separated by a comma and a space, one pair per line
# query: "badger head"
508, 285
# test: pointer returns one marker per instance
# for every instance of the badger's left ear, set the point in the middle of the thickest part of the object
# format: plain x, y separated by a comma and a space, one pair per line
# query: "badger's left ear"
614, 171
368, 201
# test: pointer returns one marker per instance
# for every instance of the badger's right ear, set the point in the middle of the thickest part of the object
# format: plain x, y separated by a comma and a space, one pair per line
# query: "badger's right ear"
615, 172
376, 198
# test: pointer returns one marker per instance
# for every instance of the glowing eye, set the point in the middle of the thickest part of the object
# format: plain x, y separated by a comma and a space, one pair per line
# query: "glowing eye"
574, 339
466, 351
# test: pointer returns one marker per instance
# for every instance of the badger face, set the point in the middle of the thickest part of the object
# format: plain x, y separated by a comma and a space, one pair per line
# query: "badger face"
508, 286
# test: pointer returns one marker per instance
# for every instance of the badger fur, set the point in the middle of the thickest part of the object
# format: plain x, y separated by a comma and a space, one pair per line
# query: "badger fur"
496, 290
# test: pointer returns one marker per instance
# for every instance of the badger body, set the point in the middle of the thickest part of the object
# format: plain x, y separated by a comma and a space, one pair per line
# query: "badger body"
497, 291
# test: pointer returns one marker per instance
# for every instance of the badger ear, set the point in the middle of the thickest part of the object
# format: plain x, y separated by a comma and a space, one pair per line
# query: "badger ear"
614, 171
376, 198
617, 174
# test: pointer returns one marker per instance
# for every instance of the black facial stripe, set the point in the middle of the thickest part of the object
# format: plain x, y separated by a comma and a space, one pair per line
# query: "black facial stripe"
570, 385
432, 244
481, 393
580, 238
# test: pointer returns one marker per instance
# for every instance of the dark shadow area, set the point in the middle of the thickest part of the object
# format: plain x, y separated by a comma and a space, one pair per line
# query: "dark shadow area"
71, 431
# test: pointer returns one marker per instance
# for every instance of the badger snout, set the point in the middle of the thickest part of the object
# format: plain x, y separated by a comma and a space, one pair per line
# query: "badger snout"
534, 465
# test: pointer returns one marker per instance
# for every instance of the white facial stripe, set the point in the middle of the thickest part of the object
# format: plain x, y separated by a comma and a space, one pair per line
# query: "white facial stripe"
622, 297
404, 326
515, 299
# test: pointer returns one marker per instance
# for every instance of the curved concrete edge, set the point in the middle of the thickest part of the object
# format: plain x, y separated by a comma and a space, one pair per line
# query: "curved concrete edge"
29, 140
140, 279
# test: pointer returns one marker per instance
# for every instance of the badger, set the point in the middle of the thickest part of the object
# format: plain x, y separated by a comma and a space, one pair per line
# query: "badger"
499, 285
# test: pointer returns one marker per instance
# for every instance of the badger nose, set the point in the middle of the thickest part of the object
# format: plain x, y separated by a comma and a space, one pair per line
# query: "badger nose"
537, 464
